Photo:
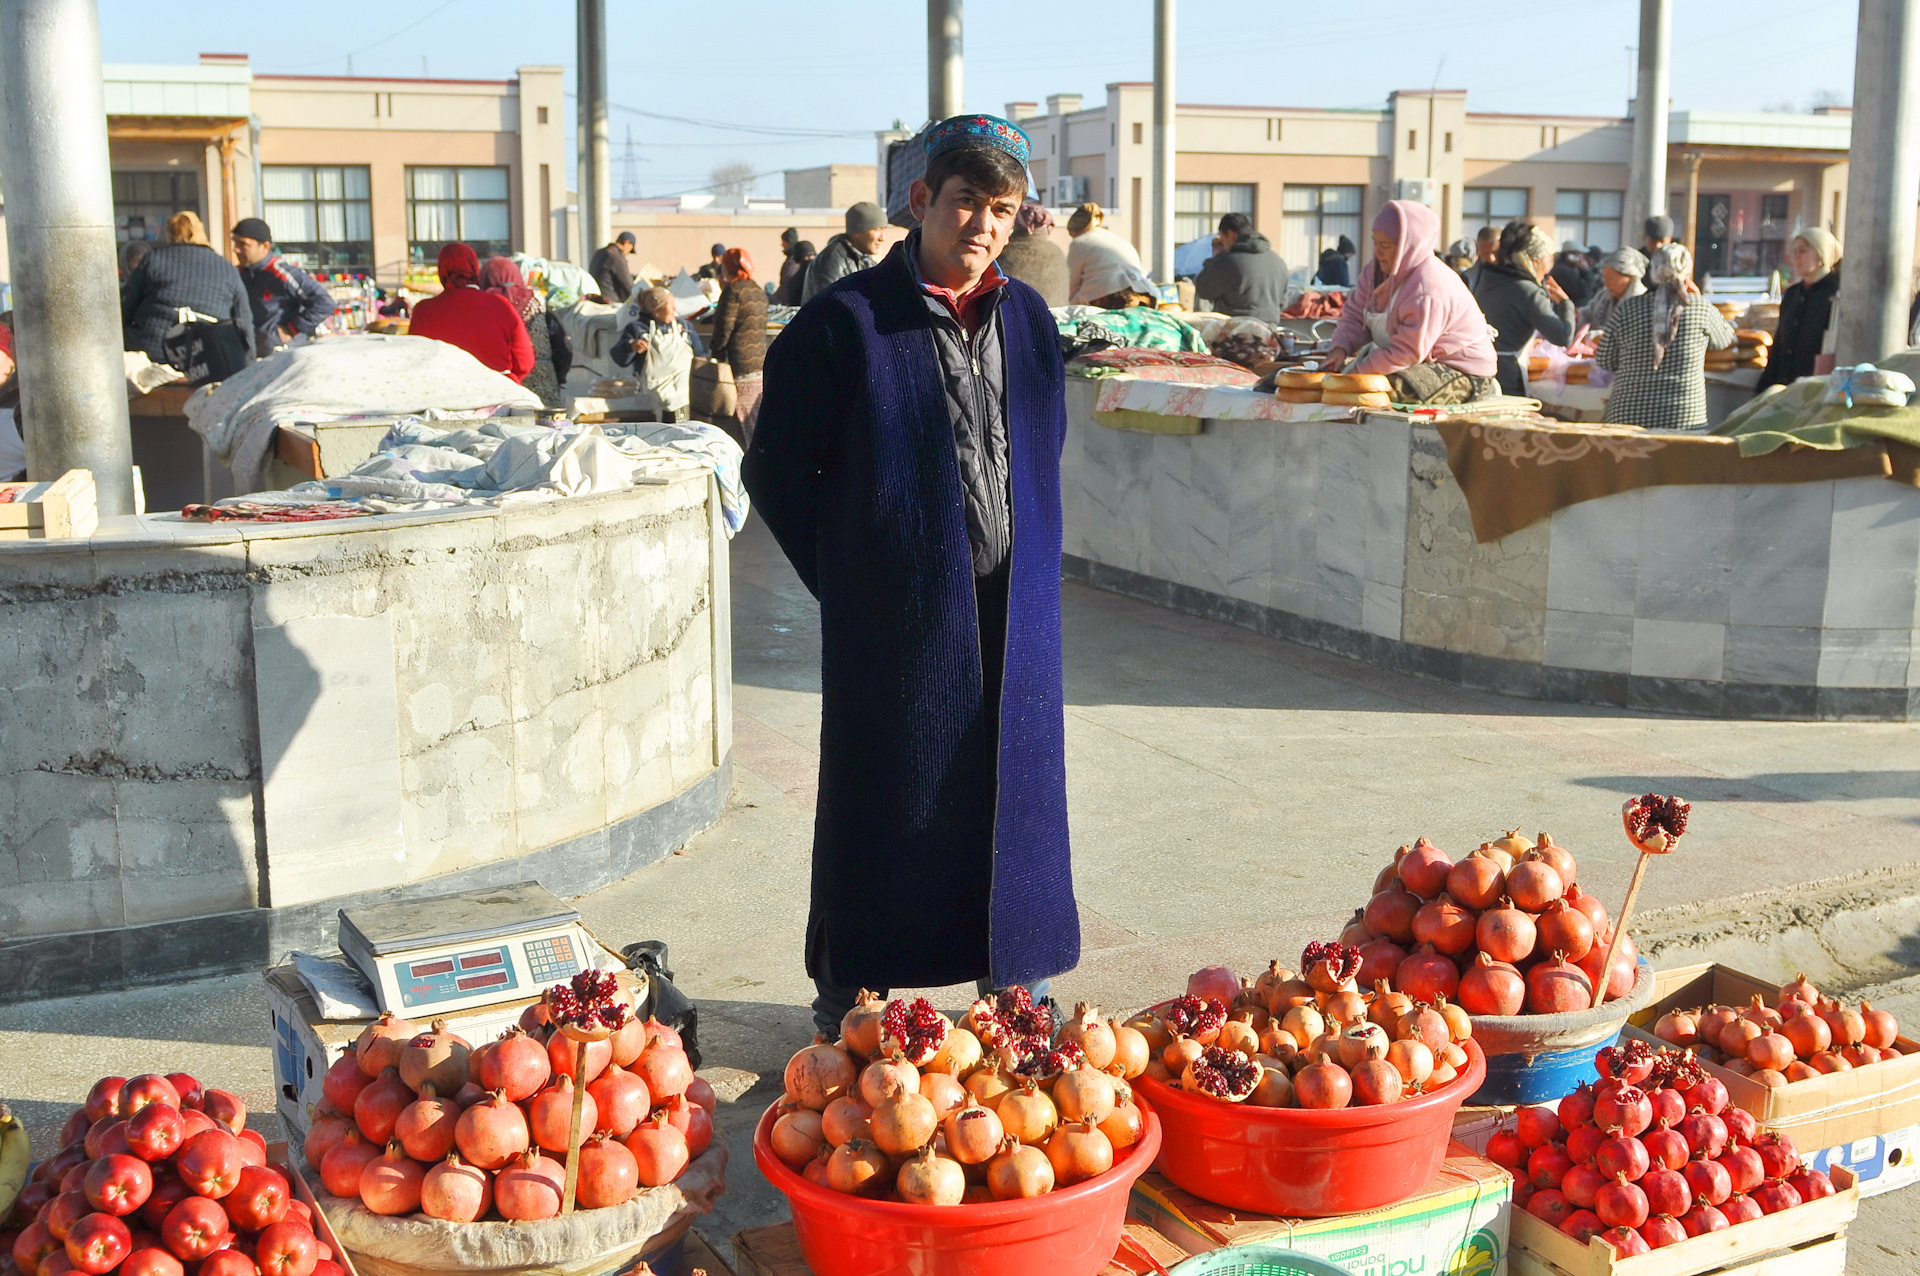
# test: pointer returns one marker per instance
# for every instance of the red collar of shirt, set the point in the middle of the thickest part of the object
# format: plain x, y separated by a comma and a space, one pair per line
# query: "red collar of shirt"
967, 308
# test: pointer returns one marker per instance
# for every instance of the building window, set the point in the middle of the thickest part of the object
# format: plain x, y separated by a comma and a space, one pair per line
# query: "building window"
543, 114
467, 204
1138, 132
1493, 206
142, 202
321, 217
1589, 217
1313, 218
1198, 206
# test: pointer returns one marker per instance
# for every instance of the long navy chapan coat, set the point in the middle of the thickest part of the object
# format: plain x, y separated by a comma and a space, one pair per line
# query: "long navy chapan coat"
934, 862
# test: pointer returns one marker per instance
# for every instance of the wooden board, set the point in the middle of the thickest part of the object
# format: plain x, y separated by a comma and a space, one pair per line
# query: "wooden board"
1550, 1252
59, 508
774, 1251
298, 449
699, 1256
1822, 1258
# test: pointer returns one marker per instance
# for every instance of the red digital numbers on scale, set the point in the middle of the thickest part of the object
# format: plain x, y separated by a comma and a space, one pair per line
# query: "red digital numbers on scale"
467, 983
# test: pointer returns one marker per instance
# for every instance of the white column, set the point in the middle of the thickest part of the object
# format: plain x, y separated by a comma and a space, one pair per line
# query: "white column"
1883, 182
1163, 140
1647, 182
945, 64
596, 156
59, 193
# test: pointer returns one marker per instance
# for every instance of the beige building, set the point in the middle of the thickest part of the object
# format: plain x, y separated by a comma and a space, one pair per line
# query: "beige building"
1308, 176
354, 174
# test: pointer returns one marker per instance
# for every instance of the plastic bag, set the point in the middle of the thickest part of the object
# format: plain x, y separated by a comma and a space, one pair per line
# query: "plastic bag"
1864, 385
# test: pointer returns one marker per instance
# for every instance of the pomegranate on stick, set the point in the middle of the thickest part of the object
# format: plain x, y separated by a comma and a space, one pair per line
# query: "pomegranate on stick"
1654, 825
587, 1008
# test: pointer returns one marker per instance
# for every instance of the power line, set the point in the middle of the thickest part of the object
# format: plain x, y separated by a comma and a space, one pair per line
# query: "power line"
724, 126
377, 43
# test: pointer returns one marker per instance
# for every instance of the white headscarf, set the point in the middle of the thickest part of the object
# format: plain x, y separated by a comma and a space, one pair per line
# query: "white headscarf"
1668, 271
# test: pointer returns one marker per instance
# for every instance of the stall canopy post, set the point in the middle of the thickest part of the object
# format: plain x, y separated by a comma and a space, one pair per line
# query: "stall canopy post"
59, 193
945, 63
1163, 140
1647, 182
1883, 177
596, 155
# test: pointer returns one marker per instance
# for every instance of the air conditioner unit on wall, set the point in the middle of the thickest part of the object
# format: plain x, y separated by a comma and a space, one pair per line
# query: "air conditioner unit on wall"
1420, 190
1069, 190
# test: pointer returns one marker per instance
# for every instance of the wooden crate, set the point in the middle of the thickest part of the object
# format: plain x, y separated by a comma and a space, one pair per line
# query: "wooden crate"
280, 1157
60, 507
1830, 1111
699, 1256
775, 1251
1808, 1240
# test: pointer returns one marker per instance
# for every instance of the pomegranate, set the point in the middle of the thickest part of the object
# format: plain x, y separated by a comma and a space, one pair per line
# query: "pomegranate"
1770, 1050
1550, 1206
1548, 1164
1564, 928
1622, 1109
1661, 1231
1702, 1218
1860, 1054
621, 1100
1303, 1023
903, 1122
1680, 1027
860, 1026
798, 1136
1620, 982
608, 1174
1411, 1058
1881, 1029
1582, 1185
455, 1191
1078, 1152
1477, 882
1744, 1168
1424, 1023
1666, 1148
1667, 1192
858, 1168
260, 1199
1558, 857
1669, 1107
1741, 1208
912, 1029
1742, 1126
1027, 1113
1425, 868
627, 1041
1390, 913
343, 1083
1095, 1037
1582, 1225
1504, 1148
1427, 975
1778, 1157
1492, 988
1375, 1081
1019, 1172
516, 1065
561, 1051
1555, 987
1621, 1204
1130, 1050
693, 1121
1775, 1195
380, 1105
1810, 1184
1445, 925
1083, 1094
1705, 1133
930, 1179
390, 1182
491, 1133
1506, 934
662, 1151
1827, 1062
974, 1133
1214, 983
529, 1187
1323, 1085
1584, 1140
425, 1126
847, 1117
1806, 1033
817, 1074
1576, 1108
1532, 884
550, 1115
1538, 1127
340, 1168
1709, 1094
378, 1047
1125, 1125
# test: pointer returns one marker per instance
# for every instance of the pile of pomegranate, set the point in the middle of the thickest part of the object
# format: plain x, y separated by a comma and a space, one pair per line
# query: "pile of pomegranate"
1307, 1040
1505, 931
908, 1106
416, 1122
1649, 1155
156, 1176
1802, 1037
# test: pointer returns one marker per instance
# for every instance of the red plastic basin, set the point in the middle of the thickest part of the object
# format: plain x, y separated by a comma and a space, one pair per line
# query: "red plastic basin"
1071, 1232
1307, 1164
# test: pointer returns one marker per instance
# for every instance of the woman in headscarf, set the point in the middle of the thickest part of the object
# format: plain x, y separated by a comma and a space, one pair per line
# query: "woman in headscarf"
1806, 307
1034, 259
740, 335
1656, 345
1521, 300
1103, 269
552, 352
484, 324
1410, 319
1622, 275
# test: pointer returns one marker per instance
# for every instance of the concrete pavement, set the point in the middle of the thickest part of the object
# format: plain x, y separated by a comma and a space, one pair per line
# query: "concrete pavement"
1232, 797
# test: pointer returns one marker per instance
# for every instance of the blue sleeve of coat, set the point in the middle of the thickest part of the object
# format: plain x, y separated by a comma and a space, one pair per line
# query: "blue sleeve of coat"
622, 351
784, 466
313, 301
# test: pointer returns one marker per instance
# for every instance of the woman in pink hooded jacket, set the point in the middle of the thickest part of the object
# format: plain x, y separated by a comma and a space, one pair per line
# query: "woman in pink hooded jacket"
1410, 318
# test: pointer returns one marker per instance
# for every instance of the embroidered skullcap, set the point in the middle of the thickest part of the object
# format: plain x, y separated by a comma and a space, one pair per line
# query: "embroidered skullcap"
977, 130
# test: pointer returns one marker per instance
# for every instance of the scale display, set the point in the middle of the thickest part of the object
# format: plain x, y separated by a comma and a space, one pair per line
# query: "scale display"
441, 979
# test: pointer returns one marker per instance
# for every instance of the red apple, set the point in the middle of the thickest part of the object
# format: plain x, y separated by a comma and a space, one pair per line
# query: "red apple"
288, 1249
196, 1122
103, 1100
225, 1107
210, 1163
147, 1088
34, 1243
56, 1264
63, 1211
187, 1088
167, 1193
194, 1228
153, 1260
95, 1144
97, 1243
117, 1185
228, 1262
156, 1131
259, 1199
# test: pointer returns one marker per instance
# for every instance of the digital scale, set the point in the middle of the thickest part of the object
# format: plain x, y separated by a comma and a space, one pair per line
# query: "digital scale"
474, 948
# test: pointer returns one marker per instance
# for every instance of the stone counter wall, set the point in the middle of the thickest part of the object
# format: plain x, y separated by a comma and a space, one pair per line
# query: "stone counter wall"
1776, 601
227, 733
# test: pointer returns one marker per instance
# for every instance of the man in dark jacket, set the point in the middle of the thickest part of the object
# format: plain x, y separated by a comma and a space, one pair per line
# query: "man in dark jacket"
907, 460
846, 253
287, 301
612, 270
1246, 277
1336, 264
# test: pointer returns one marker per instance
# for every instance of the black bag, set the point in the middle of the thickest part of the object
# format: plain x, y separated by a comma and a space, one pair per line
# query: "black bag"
206, 352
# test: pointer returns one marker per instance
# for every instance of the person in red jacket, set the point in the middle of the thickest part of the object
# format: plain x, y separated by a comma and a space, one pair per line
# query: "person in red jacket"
484, 324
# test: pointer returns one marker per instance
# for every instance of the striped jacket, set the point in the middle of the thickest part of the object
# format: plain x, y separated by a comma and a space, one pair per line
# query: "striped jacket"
1675, 396
284, 296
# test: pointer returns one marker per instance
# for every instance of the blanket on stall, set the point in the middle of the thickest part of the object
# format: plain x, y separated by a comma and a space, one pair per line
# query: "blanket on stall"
338, 379
1799, 415
1084, 328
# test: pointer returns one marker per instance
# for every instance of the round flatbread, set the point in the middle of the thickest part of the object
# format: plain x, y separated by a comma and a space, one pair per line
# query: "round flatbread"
1289, 394
1357, 400
1356, 383
1296, 379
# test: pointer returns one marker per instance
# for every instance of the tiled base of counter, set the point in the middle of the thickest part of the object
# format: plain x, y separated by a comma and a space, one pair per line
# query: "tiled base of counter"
1690, 696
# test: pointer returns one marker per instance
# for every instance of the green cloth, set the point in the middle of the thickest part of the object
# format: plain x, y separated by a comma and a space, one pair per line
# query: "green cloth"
1797, 414
1138, 326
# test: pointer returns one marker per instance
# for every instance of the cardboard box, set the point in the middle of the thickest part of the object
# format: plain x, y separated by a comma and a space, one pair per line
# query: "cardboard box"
775, 1251
305, 1045
66, 506
1458, 1224
1881, 1162
1808, 1240
1832, 1111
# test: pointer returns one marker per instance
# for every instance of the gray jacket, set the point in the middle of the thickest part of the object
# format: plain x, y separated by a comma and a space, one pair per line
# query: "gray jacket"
1517, 307
836, 261
1248, 279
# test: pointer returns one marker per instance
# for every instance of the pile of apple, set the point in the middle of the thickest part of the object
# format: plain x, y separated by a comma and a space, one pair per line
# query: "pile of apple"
1804, 1037
1649, 1156
417, 1122
157, 1176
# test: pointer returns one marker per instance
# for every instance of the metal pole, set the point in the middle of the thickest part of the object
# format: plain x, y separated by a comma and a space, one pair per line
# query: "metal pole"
53, 153
596, 153
1647, 179
1163, 140
1883, 176
945, 61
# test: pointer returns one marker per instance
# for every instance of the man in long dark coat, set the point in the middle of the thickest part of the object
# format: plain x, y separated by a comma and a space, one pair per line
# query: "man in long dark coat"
907, 459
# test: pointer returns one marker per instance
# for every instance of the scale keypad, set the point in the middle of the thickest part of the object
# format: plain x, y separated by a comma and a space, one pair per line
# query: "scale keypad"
551, 960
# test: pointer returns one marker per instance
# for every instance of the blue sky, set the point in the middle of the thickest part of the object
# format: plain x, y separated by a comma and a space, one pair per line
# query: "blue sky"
814, 80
